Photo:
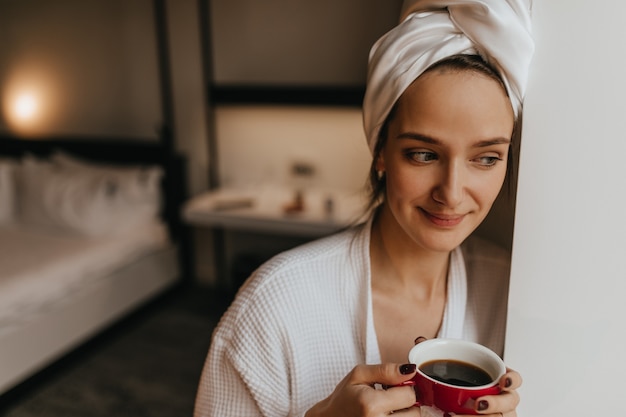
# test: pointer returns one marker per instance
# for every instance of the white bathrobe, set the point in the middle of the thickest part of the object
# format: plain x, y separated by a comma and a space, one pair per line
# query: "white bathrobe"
304, 320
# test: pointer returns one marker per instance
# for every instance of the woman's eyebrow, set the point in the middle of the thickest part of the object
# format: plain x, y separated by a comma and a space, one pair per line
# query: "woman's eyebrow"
494, 141
420, 137
434, 141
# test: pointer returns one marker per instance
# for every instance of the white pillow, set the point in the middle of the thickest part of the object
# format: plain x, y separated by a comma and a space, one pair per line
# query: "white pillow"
139, 183
7, 190
84, 202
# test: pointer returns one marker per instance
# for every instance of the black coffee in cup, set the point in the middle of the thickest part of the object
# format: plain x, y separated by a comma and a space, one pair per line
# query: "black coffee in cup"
456, 372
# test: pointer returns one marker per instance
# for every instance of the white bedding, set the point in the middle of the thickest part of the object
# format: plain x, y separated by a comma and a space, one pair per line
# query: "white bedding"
39, 269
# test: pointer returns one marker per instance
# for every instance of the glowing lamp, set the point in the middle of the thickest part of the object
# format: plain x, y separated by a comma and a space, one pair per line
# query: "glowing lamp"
25, 107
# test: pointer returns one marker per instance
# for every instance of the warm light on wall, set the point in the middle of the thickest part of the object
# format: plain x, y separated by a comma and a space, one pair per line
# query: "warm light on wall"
23, 109
25, 106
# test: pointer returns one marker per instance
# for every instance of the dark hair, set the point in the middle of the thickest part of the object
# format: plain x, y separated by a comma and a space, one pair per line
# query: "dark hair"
461, 62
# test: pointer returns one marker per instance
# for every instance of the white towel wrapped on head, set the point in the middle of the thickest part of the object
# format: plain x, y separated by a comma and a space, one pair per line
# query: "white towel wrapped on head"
431, 30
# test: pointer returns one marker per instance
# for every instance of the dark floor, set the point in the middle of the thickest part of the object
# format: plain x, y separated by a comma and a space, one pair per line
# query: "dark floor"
147, 366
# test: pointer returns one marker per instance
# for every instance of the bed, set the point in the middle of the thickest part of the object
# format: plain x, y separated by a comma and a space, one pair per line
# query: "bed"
89, 232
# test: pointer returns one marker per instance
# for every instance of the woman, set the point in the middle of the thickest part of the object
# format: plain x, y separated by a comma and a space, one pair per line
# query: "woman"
319, 329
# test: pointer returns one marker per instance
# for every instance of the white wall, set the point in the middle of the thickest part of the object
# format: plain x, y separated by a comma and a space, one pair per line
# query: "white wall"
567, 305
258, 144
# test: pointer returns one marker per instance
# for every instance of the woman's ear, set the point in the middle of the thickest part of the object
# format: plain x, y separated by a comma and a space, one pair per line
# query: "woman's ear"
380, 163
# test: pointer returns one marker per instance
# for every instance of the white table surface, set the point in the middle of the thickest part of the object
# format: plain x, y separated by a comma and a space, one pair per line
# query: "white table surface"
262, 209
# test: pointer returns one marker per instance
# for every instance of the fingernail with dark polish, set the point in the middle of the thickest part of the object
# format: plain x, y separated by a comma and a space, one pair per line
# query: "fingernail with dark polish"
408, 368
483, 405
419, 339
508, 382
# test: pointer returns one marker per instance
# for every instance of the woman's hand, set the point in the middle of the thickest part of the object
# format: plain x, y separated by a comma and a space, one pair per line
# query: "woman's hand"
505, 403
356, 396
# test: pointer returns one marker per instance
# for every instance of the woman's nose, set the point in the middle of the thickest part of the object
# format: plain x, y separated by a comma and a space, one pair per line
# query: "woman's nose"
450, 189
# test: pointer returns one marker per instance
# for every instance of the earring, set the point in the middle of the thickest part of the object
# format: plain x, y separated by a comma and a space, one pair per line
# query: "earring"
380, 174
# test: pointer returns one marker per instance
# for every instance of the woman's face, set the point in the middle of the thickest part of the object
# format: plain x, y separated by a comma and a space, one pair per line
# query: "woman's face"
445, 157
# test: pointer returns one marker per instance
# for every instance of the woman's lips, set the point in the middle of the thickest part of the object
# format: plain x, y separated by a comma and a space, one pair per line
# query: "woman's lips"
443, 220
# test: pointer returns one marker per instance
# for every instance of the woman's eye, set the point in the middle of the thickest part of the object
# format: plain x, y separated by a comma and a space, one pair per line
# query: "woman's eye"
488, 161
422, 156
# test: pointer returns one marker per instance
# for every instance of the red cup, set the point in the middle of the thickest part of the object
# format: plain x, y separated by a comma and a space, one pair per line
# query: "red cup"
449, 396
